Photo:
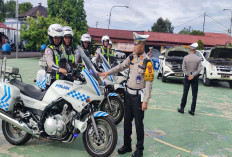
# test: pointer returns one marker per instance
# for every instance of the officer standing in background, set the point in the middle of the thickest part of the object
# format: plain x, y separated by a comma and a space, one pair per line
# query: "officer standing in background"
138, 92
191, 67
55, 55
68, 45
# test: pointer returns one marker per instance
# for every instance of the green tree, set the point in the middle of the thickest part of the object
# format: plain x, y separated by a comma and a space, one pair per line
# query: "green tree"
162, 25
24, 7
2, 11
200, 45
190, 31
71, 11
10, 7
34, 32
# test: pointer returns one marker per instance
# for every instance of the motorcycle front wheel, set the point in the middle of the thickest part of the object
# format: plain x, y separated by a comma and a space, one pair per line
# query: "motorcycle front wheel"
117, 111
104, 145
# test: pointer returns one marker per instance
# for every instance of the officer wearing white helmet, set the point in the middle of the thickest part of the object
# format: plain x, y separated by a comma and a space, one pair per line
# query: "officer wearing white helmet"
55, 55
68, 44
85, 44
104, 48
138, 93
191, 67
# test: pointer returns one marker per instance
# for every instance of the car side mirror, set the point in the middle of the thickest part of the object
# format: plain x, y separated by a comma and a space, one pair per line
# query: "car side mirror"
161, 57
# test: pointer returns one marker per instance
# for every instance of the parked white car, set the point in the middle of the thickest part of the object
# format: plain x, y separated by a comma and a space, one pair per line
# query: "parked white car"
217, 65
119, 54
171, 63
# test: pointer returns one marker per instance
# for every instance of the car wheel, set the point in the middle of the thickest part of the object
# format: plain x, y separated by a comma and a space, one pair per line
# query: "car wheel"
230, 82
164, 78
206, 81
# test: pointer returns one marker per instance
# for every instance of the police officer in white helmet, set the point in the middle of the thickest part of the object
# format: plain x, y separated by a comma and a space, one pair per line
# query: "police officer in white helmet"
68, 44
104, 48
55, 55
85, 44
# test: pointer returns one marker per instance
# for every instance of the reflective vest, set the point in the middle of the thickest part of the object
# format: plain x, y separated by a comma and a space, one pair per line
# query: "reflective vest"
107, 55
58, 56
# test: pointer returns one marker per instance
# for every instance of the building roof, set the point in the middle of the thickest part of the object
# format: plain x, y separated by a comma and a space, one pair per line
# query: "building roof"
5, 27
32, 13
155, 38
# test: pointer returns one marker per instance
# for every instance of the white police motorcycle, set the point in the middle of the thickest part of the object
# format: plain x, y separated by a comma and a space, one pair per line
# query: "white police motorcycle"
60, 113
111, 103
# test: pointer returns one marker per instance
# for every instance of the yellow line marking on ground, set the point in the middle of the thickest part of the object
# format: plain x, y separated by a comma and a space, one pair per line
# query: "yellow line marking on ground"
211, 115
182, 149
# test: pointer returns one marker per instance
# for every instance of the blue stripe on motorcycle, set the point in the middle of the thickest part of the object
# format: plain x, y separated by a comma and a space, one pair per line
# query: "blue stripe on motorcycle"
5, 93
95, 82
9, 96
98, 114
108, 70
98, 92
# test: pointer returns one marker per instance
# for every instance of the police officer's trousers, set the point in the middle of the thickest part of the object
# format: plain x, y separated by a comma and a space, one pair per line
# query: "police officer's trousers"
133, 110
194, 86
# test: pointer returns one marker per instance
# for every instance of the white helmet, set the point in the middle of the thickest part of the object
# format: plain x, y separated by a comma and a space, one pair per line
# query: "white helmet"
110, 42
55, 30
104, 38
86, 37
68, 31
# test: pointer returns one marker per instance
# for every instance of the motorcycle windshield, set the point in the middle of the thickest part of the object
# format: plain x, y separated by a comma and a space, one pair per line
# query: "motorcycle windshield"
88, 64
104, 61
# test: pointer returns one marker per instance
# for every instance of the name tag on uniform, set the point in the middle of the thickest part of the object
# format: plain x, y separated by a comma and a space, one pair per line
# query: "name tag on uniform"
138, 79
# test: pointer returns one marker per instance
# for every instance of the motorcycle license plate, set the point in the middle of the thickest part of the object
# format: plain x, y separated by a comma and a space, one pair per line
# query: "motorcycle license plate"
179, 75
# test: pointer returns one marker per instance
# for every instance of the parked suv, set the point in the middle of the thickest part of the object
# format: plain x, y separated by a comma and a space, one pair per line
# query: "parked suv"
218, 65
171, 63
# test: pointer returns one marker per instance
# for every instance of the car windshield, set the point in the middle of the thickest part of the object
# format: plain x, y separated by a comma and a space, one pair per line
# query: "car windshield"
88, 63
221, 53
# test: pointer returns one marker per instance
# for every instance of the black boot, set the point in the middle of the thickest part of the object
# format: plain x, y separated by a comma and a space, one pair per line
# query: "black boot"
180, 110
137, 153
124, 149
191, 112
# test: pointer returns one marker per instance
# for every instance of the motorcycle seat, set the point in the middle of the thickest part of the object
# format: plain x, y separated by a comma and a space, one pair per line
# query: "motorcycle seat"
28, 90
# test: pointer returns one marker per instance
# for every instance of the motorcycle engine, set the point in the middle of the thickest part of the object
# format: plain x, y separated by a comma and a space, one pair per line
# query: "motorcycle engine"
55, 125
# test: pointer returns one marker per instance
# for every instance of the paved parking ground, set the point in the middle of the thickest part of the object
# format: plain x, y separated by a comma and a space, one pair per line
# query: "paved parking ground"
167, 133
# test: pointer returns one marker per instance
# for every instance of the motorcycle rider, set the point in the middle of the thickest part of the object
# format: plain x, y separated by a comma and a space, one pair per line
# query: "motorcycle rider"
103, 49
111, 58
55, 55
85, 44
68, 45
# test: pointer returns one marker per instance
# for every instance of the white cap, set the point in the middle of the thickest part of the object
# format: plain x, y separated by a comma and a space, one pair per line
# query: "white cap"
138, 38
150, 48
194, 46
110, 42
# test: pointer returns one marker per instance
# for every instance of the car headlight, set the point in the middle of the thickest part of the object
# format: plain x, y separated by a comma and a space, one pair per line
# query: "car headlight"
168, 64
213, 67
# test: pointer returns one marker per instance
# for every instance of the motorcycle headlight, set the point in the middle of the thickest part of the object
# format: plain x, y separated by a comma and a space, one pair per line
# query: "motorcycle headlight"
168, 64
213, 67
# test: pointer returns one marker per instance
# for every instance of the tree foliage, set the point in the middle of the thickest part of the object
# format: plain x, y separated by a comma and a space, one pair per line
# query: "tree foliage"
24, 7
2, 11
190, 31
34, 32
71, 11
200, 45
10, 7
162, 25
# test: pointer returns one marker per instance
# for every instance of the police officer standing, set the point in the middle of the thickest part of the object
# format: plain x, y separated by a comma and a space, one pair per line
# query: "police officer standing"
55, 55
191, 67
68, 45
138, 92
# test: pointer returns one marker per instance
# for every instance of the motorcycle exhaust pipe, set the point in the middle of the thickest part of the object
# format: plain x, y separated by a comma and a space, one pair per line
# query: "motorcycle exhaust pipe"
20, 125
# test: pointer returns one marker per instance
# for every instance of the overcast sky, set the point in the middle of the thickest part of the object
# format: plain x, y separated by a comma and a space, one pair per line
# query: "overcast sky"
141, 14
